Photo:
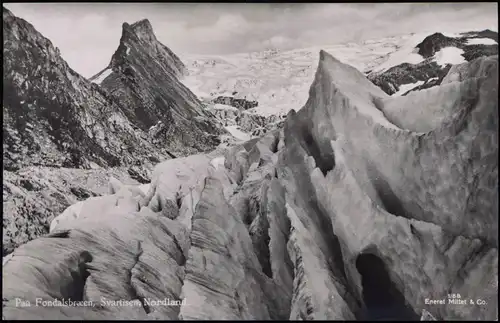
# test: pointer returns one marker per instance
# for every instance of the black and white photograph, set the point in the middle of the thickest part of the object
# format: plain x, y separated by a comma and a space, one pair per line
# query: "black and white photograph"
250, 161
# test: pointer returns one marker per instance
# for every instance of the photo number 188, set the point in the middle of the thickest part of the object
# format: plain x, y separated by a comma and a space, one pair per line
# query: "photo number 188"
454, 296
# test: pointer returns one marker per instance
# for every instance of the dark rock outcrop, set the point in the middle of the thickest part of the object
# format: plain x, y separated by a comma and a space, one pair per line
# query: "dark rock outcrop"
406, 73
435, 42
139, 175
241, 104
474, 51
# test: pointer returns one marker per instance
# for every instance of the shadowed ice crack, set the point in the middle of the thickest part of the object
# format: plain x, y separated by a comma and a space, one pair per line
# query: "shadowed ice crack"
382, 299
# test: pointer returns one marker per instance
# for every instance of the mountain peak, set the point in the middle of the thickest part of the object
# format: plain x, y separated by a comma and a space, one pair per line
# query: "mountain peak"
322, 55
142, 29
143, 72
140, 38
143, 24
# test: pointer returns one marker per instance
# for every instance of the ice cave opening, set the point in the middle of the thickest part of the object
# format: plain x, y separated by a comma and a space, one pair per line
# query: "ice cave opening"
382, 300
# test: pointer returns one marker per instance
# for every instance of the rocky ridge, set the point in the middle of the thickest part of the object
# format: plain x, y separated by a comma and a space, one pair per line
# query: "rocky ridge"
56, 123
267, 229
55, 117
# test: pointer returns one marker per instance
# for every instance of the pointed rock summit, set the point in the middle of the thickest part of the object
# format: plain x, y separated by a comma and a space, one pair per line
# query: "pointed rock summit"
140, 36
141, 27
143, 75
57, 122
55, 117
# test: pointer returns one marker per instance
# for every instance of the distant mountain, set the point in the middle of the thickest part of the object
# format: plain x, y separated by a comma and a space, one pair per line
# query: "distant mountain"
276, 81
279, 81
55, 117
55, 120
431, 59
143, 76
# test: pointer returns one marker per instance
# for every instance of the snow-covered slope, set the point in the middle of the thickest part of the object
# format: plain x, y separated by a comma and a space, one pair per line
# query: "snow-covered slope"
98, 78
450, 55
279, 80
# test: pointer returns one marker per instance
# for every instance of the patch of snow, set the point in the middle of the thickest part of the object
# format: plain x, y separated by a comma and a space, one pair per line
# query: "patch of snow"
128, 51
481, 41
449, 55
237, 133
103, 75
407, 87
433, 79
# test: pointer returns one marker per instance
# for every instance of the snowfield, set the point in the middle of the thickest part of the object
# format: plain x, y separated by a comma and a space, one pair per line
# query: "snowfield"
279, 80
481, 41
102, 76
407, 87
449, 55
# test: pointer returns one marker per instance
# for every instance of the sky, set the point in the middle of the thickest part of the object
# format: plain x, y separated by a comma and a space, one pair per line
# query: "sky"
87, 34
